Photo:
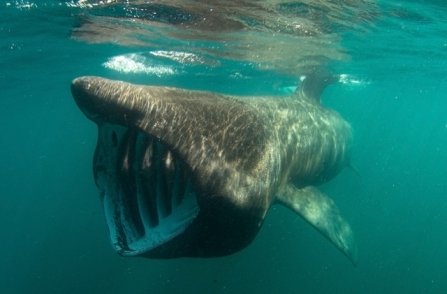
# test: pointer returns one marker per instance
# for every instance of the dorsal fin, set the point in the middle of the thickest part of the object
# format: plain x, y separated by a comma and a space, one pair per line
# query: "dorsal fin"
313, 85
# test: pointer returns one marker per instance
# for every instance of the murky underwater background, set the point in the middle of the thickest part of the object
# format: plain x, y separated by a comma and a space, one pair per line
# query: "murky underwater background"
53, 235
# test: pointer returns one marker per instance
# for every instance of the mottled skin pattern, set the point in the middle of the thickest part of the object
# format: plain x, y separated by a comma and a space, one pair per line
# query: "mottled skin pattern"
245, 153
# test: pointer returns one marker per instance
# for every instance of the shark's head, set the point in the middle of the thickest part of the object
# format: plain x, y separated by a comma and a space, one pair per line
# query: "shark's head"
179, 174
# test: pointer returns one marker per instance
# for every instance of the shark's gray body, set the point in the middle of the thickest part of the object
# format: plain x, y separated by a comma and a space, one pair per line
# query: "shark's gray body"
189, 173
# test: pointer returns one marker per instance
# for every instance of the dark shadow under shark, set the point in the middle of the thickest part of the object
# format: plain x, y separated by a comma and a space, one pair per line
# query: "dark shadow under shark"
192, 174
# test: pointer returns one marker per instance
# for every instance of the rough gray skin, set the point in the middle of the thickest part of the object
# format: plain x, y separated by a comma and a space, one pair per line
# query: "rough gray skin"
243, 154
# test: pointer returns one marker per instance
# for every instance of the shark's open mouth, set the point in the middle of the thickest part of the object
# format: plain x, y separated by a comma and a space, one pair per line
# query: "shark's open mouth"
146, 190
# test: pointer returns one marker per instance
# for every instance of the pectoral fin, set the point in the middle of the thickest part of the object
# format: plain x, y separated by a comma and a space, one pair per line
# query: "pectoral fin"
322, 213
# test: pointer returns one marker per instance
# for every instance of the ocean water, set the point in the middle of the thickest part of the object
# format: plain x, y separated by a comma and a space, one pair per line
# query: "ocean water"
394, 54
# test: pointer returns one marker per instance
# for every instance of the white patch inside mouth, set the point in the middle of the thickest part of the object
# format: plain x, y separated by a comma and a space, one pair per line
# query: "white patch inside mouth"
167, 229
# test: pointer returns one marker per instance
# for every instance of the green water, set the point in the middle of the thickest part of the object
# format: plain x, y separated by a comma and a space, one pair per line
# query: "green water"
53, 235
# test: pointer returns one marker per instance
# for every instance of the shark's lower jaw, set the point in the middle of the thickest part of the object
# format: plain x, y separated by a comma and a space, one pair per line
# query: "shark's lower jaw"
146, 191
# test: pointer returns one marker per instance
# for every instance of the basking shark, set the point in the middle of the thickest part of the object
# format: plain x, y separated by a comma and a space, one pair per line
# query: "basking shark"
186, 173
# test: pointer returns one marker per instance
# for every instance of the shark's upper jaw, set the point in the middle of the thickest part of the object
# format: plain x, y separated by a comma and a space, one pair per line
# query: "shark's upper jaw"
146, 191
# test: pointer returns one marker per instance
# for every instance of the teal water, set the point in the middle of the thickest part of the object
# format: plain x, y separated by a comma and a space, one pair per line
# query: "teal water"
53, 235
